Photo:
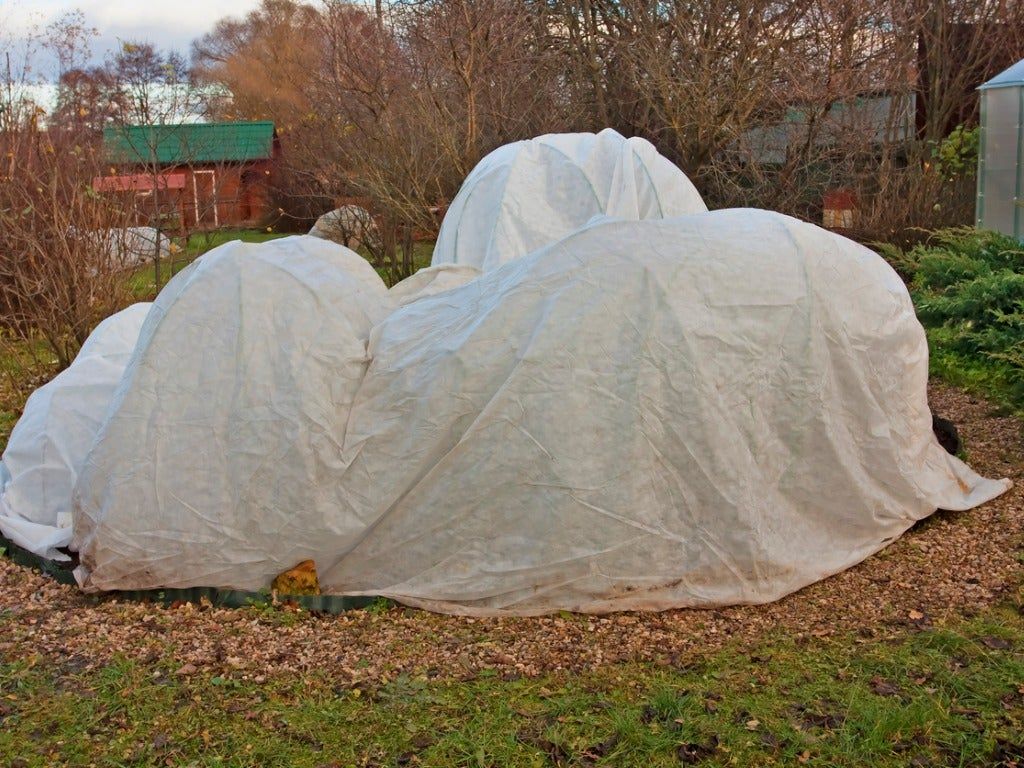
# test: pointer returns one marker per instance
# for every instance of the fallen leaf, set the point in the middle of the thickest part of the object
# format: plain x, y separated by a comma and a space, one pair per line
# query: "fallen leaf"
770, 740
597, 751
996, 643
964, 711
883, 687
300, 580
422, 741
692, 753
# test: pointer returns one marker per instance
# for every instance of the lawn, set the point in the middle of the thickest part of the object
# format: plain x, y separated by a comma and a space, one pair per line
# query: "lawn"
944, 697
142, 281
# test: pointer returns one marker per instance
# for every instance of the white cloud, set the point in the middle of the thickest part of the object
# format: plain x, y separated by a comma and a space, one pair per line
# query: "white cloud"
169, 24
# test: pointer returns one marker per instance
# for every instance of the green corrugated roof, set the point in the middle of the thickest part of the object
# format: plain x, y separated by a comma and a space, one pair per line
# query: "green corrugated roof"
189, 143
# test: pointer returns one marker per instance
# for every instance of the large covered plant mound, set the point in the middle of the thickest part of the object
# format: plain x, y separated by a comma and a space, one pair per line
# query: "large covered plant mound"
648, 413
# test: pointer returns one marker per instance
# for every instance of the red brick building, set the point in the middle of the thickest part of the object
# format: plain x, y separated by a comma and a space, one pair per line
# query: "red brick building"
192, 176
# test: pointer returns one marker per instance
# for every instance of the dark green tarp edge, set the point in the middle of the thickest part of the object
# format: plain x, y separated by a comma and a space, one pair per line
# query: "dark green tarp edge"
221, 598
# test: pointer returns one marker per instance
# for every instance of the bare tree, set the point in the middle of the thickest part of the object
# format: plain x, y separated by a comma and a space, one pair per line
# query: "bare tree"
960, 43
265, 61
762, 103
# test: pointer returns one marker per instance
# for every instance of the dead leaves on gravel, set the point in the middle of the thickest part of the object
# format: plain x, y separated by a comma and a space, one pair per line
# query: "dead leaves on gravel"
953, 564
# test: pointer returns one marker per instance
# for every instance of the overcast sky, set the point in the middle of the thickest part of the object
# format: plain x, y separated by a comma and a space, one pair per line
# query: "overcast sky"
170, 24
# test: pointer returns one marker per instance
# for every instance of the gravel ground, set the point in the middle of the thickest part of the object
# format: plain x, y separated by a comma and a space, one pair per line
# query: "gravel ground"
952, 564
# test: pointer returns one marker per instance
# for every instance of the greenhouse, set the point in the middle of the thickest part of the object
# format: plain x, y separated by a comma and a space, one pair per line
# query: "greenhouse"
1000, 204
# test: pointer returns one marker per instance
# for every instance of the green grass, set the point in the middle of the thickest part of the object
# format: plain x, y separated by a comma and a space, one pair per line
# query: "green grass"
143, 283
24, 365
200, 243
941, 697
991, 379
422, 252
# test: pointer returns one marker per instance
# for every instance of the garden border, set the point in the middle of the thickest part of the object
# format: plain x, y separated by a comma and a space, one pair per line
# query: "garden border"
220, 598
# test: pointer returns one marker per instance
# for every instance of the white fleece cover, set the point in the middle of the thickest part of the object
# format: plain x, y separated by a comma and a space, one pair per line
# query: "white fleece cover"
711, 409
527, 195
231, 420
56, 429
431, 280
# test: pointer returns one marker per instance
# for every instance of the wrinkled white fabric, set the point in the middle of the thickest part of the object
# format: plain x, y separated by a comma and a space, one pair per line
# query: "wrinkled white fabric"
431, 280
712, 409
527, 195
56, 430
230, 424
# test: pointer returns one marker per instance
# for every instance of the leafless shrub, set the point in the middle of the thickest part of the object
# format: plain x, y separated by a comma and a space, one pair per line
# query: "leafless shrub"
911, 201
397, 105
60, 262
762, 103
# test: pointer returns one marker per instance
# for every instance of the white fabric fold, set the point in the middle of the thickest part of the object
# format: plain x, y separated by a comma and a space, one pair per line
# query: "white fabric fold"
54, 434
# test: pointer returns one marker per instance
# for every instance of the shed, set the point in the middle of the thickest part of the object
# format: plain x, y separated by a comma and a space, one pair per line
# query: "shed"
1000, 201
200, 175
